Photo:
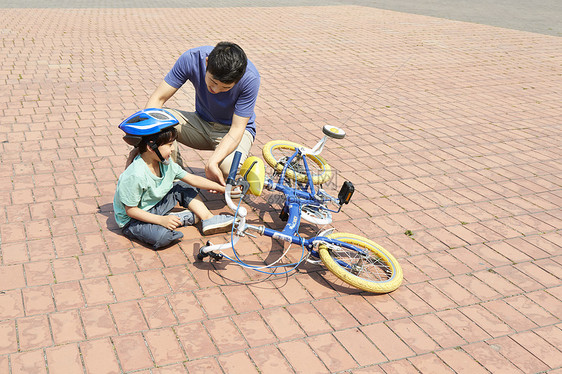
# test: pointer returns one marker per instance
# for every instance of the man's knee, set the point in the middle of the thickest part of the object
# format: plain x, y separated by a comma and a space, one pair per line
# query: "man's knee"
227, 163
176, 155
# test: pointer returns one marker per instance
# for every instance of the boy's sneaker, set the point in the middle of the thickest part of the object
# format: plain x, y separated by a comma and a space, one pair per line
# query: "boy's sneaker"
186, 216
217, 224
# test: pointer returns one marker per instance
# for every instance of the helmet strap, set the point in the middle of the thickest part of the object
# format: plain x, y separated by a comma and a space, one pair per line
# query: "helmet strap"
154, 147
159, 154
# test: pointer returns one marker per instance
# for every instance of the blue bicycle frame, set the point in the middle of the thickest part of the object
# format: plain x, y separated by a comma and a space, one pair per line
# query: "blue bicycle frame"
295, 198
355, 260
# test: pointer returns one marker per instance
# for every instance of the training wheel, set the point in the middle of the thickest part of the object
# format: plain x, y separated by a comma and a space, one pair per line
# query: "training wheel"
333, 132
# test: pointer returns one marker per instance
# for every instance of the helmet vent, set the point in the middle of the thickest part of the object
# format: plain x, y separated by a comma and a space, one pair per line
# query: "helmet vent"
159, 116
137, 119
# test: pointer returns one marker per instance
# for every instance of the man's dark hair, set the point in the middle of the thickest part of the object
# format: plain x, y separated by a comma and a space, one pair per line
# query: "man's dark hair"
163, 137
227, 62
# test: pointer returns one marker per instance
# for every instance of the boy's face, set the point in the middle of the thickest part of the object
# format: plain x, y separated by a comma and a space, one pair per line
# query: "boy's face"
215, 86
166, 150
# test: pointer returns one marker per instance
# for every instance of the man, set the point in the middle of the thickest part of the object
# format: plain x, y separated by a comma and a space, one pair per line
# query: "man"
226, 88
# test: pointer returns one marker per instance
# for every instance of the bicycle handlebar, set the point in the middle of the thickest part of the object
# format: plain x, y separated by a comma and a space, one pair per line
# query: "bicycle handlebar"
231, 203
234, 168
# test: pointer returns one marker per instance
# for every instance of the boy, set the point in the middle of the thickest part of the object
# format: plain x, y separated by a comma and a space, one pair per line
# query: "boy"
146, 193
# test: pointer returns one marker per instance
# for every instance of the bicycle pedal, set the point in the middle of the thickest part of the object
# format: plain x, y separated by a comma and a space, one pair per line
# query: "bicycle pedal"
346, 192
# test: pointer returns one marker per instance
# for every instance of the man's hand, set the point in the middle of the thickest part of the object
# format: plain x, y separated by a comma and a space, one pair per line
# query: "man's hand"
227, 145
170, 222
214, 173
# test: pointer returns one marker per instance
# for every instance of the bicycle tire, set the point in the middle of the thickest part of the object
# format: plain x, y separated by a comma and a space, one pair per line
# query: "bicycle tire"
382, 275
319, 176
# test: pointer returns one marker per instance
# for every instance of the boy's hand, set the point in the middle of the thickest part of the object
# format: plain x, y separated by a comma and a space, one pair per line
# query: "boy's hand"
170, 222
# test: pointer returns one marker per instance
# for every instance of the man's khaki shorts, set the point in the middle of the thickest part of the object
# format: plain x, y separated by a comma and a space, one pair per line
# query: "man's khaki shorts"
197, 133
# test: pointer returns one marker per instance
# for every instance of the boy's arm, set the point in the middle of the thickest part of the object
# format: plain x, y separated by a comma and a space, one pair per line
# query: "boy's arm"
170, 222
203, 183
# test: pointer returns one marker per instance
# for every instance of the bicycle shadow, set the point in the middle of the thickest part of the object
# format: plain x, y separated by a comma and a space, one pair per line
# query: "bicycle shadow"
225, 272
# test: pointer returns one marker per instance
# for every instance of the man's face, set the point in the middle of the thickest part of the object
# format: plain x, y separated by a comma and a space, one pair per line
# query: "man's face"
215, 86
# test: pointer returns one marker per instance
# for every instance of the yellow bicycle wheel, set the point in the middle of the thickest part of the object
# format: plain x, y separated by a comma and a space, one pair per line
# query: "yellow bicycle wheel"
377, 271
277, 152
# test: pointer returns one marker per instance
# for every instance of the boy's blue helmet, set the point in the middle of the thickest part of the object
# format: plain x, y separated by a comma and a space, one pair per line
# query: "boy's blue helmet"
146, 122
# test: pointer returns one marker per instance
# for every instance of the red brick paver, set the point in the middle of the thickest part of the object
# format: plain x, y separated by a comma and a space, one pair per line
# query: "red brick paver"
453, 134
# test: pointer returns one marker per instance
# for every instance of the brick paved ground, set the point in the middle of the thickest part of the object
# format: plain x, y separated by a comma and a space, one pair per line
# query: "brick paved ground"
454, 134
540, 16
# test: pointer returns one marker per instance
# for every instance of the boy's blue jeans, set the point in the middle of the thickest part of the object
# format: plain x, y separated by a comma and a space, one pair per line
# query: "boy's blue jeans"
155, 235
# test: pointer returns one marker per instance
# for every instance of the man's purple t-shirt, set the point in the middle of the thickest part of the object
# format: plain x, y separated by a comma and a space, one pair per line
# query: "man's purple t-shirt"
220, 107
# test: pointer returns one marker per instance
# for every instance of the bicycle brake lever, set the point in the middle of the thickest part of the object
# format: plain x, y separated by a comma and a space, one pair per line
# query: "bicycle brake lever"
244, 184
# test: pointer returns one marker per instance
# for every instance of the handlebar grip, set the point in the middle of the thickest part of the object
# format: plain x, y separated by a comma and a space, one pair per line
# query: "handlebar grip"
234, 168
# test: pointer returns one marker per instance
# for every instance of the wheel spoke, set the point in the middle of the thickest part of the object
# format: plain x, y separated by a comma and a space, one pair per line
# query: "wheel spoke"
366, 266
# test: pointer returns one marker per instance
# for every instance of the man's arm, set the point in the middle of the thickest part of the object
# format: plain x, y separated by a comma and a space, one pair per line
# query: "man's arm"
227, 145
162, 94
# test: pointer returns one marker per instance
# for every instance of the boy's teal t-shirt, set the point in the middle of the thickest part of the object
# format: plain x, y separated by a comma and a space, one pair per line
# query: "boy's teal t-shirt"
138, 186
